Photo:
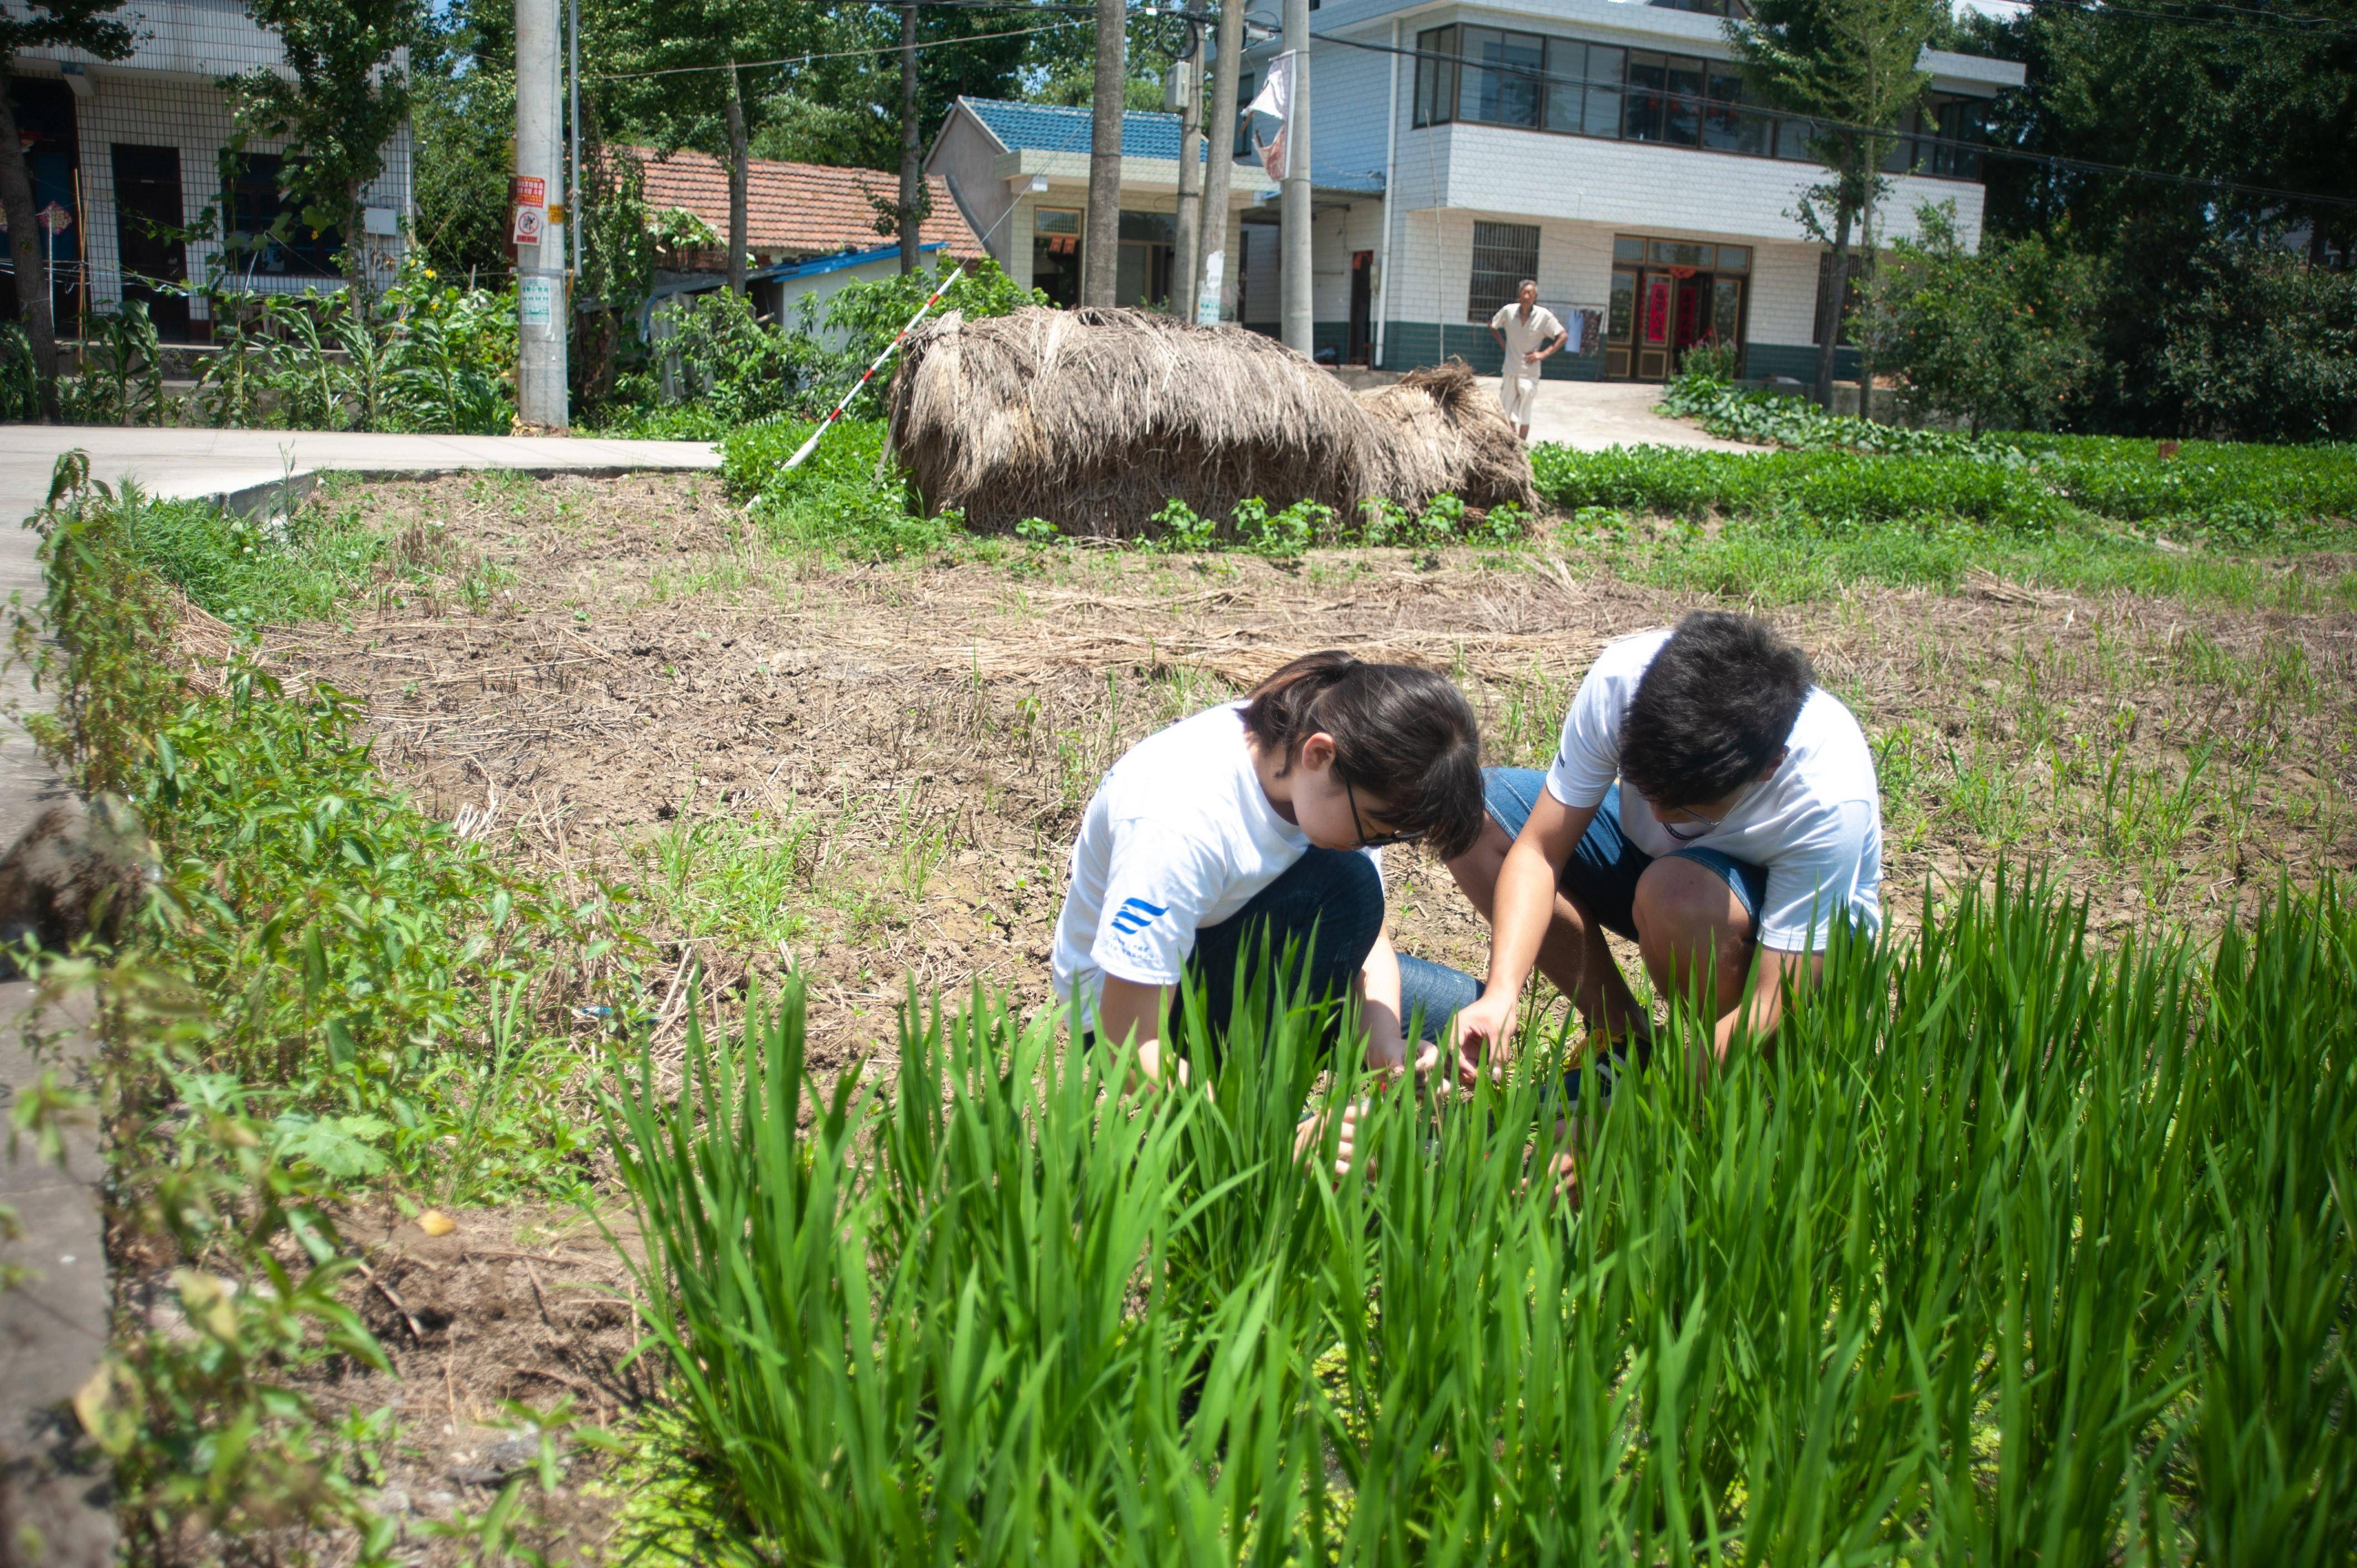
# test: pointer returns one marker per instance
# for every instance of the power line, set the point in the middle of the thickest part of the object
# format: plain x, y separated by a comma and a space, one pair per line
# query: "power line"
1818, 121
829, 54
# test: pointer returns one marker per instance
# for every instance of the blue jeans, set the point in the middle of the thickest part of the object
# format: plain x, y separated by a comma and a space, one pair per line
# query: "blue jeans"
1601, 875
1340, 894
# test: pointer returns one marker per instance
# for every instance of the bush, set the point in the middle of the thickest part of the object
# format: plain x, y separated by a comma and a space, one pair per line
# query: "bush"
836, 501
1997, 337
2266, 349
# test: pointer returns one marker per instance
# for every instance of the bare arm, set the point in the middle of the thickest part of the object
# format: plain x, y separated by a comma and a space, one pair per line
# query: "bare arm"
1130, 1011
1378, 992
1553, 346
1762, 1007
1520, 913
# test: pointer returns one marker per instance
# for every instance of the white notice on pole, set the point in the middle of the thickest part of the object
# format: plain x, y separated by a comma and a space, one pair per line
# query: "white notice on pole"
535, 303
1207, 303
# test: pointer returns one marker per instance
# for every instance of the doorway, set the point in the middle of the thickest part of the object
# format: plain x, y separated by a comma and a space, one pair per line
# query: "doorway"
1362, 308
146, 217
1670, 296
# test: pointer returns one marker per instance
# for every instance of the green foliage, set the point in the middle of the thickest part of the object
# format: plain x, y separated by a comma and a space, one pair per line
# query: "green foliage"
20, 381
724, 360
335, 101
1780, 419
837, 502
872, 312
1710, 361
422, 355
1998, 336
2263, 348
250, 572
2009, 1244
125, 383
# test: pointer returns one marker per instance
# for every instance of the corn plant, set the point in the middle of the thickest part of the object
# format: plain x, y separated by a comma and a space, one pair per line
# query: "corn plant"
2011, 1249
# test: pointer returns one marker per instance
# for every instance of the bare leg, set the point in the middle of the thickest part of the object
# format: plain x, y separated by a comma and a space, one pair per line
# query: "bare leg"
1694, 930
1573, 954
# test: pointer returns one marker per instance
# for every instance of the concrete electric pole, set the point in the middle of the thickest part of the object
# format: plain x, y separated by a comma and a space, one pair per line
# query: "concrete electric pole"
1100, 240
539, 218
1301, 334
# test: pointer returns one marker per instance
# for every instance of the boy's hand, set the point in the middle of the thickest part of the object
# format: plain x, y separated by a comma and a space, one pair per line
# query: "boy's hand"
1482, 1031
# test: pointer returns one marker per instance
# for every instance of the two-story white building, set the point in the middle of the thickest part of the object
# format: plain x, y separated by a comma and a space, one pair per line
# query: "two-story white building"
1605, 149
132, 150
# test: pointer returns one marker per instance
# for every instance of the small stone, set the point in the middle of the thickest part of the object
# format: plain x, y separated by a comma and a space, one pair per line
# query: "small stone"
434, 1222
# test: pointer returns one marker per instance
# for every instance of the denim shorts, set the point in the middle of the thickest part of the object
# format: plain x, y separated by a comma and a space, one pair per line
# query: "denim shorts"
1602, 873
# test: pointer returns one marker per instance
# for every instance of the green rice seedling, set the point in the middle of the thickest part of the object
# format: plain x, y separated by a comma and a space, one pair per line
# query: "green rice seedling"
2012, 1249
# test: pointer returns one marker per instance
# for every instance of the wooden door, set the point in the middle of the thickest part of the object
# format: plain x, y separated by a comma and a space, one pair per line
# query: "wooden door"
1657, 304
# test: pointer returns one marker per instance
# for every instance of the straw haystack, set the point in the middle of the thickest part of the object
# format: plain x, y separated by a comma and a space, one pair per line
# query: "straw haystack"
1442, 433
1093, 418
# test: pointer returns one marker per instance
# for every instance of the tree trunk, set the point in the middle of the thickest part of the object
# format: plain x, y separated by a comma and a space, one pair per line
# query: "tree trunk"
1837, 285
912, 173
1186, 260
1220, 133
24, 250
1101, 245
737, 172
1865, 338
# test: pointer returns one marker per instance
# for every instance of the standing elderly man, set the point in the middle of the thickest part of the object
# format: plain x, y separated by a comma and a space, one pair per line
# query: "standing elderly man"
1529, 333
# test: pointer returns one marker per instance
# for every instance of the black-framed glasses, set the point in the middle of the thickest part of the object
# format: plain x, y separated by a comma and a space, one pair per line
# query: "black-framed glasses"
1374, 841
1703, 827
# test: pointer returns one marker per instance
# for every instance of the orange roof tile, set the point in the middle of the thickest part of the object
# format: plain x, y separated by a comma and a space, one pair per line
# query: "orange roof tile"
792, 210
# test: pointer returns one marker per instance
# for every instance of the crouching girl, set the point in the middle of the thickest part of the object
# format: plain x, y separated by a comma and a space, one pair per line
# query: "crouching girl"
1260, 821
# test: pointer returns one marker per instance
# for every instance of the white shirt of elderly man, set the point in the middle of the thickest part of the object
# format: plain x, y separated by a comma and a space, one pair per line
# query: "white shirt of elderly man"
1530, 334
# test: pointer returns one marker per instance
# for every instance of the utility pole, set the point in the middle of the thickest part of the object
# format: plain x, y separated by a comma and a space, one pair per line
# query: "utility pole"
1300, 335
1187, 78
1226, 60
912, 174
738, 221
1100, 241
542, 302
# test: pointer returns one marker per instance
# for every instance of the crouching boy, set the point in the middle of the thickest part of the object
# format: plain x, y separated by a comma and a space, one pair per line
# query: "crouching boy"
1710, 802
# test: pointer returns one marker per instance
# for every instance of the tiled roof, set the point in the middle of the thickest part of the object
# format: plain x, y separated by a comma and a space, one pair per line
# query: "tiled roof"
1055, 128
796, 209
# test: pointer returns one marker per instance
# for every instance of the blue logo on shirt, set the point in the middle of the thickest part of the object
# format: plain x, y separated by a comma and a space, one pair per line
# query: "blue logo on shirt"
1136, 914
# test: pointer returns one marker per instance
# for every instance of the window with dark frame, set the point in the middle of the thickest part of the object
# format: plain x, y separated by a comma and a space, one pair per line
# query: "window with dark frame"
253, 203
1490, 76
1503, 255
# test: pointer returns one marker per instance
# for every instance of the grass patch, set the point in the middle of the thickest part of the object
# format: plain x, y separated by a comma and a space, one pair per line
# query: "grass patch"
2011, 1242
253, 572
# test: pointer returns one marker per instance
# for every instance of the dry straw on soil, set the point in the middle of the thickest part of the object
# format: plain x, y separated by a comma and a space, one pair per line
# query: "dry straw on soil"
1091, 418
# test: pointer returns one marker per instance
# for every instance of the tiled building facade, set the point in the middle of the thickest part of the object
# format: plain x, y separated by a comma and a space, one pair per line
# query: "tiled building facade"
128, 146
1604, 149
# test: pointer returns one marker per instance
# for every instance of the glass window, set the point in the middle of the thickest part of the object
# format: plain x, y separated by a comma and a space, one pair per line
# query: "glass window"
1502, 88
1735, 258
1567, 68
1725, 308
1605, 67
1793, 134
1621, 314
1649, 73
1055, 221
1722, 122
1961, 125
1153, 228
1503, 255
1682, 125
1684, 253
1628, 248
1436, 77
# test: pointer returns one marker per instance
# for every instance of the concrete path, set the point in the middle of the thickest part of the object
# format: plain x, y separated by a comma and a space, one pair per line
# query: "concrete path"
1592, 415
53, 1329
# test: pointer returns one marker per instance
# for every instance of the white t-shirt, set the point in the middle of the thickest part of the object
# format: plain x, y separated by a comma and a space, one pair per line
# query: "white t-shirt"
1815, 824
1179, 836
1524, 337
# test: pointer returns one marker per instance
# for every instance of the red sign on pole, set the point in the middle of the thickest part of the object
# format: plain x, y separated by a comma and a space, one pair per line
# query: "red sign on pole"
54, 218
526, 191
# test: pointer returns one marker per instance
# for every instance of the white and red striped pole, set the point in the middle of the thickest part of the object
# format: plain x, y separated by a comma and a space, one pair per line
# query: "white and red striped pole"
812, 445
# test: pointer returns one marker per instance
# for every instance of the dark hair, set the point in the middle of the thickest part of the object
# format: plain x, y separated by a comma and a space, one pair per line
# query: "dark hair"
1404, 736
1713, 709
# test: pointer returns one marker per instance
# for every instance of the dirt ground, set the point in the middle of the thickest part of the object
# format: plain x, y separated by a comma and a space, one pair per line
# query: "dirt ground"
872, 773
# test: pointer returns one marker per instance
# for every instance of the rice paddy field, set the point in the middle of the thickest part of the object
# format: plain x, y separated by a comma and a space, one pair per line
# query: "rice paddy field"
621, 919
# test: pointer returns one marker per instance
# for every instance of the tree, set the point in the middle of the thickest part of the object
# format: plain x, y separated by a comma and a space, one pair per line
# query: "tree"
1850, 67
462, 121
2263, 347
343, 97
1997, 337
1100, 241
86, 25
